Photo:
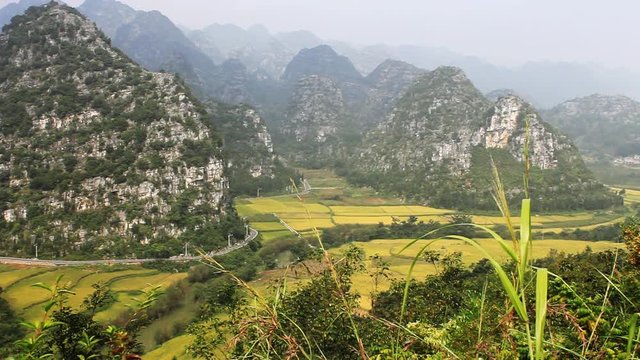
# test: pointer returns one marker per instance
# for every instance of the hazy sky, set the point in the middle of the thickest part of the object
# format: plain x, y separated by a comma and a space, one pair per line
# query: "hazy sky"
501, 31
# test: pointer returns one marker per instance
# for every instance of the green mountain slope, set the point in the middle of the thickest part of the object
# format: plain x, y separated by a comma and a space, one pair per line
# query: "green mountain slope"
98, 153
604, 127
437, 143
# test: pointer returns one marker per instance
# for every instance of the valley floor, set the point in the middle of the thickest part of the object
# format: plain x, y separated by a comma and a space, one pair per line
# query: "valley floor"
330, 202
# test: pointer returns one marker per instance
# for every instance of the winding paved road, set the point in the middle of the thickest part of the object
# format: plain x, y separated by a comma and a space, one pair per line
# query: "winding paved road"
36, 262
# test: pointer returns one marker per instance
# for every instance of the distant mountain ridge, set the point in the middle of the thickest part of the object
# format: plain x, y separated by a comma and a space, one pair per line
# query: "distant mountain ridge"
153, 41
321, 106
266, 55
605, 127
17, 8
545, 83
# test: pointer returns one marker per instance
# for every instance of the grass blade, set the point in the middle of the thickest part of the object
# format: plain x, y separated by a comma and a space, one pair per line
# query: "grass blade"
616, 287
500, 197
525, 236
632, 333
508, 287
541, 310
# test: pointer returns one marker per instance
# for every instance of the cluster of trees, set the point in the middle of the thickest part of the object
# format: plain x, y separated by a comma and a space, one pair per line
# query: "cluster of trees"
565, 188
590, 310
10, 328
410, 228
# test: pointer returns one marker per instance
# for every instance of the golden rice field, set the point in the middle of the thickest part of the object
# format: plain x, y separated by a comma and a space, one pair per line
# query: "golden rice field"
172, 349
304, 215
353, 207
126, 283
399, 262
362, 206
631, 196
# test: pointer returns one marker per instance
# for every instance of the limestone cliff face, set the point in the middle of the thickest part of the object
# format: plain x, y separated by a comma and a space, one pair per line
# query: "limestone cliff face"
437, 142
317, 110
506, 131
436, 121
332, 106
252, 163
325, 62
93, 146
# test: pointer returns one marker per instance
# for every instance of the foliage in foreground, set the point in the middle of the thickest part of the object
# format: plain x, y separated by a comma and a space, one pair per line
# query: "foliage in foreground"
63, 333
583, 306
590, 310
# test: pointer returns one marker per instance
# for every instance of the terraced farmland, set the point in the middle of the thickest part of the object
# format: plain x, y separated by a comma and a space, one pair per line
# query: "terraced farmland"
333, 202
126, 283
632, 196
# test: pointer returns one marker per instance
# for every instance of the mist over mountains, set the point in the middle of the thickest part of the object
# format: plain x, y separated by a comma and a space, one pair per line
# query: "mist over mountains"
259, 183
266, 54
362, 110
545, 83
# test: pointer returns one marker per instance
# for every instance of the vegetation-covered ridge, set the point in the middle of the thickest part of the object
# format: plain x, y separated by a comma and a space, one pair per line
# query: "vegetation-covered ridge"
98, 153
249, 151
439, 140
604, 127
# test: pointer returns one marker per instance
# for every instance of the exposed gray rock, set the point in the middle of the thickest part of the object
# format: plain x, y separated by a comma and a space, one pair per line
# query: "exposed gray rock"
387, 83
437, 143
317, 110
100, 137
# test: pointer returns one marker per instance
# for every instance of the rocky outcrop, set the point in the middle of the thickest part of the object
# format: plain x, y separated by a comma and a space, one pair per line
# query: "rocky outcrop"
248, 144
494, 95
437, 142
331, 100
252, 164
506, 131
317, 112
97, 147
323, 61
435, 120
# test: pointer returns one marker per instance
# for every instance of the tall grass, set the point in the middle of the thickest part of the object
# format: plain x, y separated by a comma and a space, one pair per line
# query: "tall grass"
513, 284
